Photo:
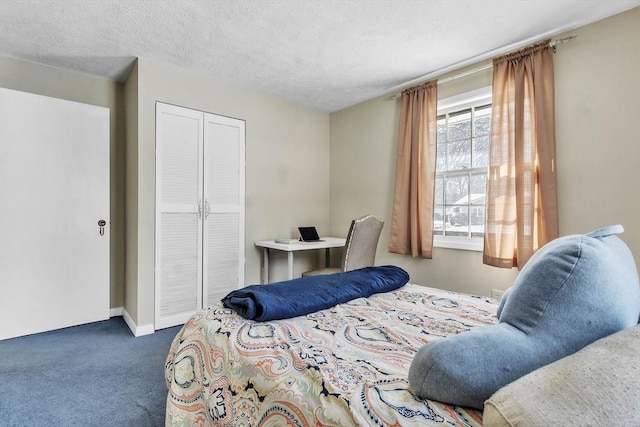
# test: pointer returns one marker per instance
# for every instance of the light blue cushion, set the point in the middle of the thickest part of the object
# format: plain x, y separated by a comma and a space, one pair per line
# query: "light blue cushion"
572, 292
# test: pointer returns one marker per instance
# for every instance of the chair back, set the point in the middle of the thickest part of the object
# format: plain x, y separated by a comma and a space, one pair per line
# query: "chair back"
362, 243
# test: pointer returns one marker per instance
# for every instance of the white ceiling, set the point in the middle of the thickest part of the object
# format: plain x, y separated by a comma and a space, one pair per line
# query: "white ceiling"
320, 53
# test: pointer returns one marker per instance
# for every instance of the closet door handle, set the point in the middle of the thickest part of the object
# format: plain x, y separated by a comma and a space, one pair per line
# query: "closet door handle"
199, 209
207, 209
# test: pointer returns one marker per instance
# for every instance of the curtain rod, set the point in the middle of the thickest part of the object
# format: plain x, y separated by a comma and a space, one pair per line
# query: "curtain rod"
553, 44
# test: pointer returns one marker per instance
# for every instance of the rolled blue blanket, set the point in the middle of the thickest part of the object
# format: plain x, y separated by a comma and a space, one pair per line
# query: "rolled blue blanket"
305, 295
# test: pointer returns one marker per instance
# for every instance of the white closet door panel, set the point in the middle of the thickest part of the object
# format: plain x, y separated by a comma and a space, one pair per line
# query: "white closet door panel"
54, 187
178, 279
223, 256
222, 158
179, 271
179, 136
224, 173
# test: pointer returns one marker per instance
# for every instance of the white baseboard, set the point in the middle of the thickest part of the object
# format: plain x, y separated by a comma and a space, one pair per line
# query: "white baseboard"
136, 330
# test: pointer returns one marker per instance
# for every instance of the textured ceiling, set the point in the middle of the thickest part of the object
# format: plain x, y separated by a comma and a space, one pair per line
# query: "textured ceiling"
324, 54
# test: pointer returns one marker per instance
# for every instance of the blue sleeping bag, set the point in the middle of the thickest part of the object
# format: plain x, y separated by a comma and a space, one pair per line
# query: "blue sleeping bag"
305, 295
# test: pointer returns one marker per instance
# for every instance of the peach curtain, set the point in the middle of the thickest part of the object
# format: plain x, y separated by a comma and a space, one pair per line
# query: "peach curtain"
412, 220
522, 208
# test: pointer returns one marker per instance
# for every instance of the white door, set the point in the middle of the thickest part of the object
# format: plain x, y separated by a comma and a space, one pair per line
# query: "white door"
179, 209
54, 188
224, 160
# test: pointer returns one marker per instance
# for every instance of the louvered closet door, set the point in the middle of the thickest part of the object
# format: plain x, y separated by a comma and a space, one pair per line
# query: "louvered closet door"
223, 268
179, 136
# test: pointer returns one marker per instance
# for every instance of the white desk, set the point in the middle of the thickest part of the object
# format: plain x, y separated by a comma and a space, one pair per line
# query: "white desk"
326, 244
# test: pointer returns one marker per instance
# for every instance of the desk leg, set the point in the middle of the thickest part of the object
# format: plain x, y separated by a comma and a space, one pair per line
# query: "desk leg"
327, 258
265, 265
290, 264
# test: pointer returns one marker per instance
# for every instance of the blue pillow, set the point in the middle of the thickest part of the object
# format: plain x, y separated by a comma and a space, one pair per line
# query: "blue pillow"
572, 292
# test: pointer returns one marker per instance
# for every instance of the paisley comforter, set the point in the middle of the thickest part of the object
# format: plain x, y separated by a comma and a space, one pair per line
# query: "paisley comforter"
343, 366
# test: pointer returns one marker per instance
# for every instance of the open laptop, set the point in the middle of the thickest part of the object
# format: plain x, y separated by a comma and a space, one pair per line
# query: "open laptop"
309, 234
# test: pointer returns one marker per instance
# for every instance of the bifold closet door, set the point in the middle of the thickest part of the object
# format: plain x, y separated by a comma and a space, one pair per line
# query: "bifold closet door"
199, 211
54, 190
178, 273
224, 146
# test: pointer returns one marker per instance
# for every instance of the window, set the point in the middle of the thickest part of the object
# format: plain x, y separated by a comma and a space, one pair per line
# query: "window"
461, 170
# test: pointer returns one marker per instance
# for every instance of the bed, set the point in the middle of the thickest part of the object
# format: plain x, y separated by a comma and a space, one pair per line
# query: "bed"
342, 366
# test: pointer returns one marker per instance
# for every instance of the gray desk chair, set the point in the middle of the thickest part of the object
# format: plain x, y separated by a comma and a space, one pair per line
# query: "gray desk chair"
360, 248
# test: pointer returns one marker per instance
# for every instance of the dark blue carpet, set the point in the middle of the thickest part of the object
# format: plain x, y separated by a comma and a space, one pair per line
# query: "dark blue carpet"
90, 375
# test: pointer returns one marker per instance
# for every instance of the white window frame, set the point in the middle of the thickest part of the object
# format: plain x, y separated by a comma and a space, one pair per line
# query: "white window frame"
462, 101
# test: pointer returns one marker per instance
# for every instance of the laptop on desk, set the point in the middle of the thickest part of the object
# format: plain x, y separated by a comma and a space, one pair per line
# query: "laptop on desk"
309, 234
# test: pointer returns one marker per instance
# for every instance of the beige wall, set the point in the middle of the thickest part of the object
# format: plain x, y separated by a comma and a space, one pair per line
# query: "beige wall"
131, 193
598, 152
598, 128
287, 169
49, 81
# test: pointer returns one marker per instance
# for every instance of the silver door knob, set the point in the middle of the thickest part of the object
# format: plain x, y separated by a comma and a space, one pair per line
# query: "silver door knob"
101, 224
